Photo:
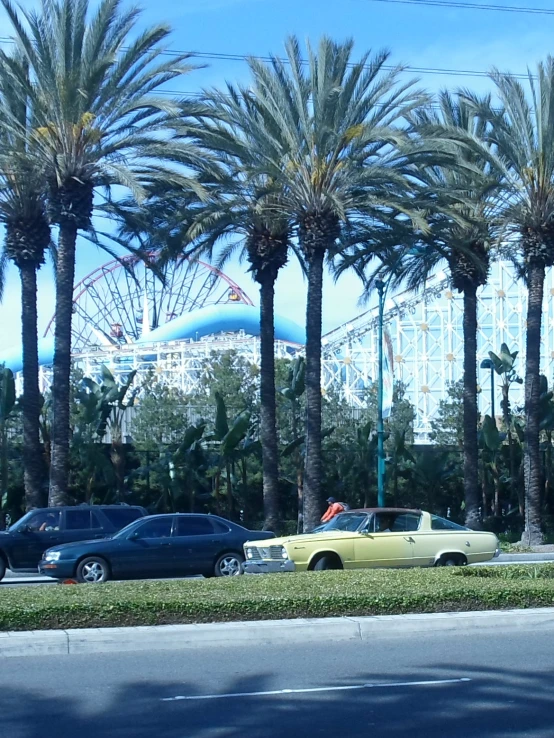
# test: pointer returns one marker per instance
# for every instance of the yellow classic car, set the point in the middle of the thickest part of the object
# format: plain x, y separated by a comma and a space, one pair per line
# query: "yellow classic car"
383, 537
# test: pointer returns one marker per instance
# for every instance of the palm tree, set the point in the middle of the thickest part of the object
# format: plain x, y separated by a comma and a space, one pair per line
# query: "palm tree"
458, 188
465, 196
27, 237
522, 134
246, 202
94, 82
238, 217
328, 143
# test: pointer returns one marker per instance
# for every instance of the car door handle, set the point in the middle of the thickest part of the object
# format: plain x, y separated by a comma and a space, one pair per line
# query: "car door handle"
410, 539
165, 544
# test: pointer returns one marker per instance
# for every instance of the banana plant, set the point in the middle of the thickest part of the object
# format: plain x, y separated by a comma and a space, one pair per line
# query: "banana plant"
503, 364
104, 406
232, 442
7, 405
493, 441
190, 461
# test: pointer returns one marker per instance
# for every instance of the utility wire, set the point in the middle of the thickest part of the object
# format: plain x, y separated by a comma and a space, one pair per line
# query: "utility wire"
470, 6
217, 56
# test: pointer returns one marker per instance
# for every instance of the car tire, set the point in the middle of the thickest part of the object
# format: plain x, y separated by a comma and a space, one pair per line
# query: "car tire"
229, 565
3, 568
449, 560
93, 570
323, 564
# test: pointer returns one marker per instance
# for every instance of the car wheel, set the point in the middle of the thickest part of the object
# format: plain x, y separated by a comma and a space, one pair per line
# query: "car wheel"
449, 560
2, 568
229, 565
323, 564
93, 570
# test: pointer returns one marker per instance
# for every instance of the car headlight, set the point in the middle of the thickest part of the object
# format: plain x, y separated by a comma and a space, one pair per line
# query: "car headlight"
52, 555
284, 553
249, 553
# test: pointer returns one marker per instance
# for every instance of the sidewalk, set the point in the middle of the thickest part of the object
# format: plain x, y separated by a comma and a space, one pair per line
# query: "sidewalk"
523, 558
260, 632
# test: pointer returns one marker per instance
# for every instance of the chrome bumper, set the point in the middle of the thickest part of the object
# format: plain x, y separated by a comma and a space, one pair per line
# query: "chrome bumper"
267, 567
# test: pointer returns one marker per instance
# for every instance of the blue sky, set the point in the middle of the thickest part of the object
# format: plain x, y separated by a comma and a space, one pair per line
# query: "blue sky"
419, 36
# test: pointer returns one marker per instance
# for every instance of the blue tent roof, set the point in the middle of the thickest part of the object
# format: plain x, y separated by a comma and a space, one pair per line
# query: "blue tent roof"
12, 356
195, 325
222, 319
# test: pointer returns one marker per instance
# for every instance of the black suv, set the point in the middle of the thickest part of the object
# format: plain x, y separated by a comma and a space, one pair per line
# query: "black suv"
21, 547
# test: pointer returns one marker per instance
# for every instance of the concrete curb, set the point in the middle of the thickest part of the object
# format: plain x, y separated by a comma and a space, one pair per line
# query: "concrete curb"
260, 632
525, 557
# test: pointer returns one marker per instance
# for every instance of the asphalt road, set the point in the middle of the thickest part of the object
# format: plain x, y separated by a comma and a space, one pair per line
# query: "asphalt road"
494, 684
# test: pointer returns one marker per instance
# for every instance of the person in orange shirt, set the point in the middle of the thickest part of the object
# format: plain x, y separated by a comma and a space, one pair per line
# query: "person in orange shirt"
333, 510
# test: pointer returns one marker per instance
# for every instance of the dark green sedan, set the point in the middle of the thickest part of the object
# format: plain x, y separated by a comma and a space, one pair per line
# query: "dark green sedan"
156, 546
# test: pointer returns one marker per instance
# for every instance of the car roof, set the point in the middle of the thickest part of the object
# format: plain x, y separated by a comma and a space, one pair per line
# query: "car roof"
385, 510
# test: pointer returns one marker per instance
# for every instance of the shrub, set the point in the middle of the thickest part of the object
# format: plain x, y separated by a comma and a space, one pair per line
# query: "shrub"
323, 594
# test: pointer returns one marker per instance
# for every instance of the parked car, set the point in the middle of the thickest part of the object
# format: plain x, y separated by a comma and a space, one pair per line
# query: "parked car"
22, 546
160, 546
384, 537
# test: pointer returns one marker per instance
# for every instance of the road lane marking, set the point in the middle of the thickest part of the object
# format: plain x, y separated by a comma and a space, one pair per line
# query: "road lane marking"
309, 690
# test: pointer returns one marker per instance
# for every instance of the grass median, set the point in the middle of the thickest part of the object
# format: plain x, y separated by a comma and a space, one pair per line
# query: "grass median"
321, 594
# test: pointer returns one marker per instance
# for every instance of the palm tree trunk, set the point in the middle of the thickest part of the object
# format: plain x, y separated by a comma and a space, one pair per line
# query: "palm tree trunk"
65, 273
471, 450
3, 472
313, 504
32, 449
268, 411
299, 471
532, 535
511, 450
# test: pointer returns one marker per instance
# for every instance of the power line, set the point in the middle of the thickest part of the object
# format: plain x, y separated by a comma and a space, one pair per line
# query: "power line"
470, 6
220, 56
216, 56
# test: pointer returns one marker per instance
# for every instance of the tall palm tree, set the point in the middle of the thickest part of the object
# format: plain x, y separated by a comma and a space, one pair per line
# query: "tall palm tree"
27, 237
459, 190
328, 143
94, 82
462, 224
246, 201
521, 131
237, 217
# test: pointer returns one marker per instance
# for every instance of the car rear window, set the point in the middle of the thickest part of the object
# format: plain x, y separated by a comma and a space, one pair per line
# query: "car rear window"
194, 526
443, 524
119, 517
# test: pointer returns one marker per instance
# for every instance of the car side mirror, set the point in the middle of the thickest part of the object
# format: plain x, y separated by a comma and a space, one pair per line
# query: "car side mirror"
27, 529
134, 536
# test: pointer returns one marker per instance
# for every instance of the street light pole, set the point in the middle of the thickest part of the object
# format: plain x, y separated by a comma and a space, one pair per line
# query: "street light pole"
380, 285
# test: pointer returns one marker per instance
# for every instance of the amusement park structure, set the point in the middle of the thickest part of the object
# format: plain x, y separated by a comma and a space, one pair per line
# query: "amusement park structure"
169, 319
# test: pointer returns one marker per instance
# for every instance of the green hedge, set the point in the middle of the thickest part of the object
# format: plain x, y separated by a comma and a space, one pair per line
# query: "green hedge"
319, 594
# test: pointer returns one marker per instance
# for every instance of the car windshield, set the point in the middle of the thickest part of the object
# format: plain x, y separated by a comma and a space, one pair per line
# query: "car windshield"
22, 522
345, 521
